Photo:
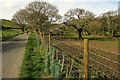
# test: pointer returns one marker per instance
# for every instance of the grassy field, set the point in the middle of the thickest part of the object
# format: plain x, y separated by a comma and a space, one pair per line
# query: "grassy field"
7, 23
109, 43
9, 33
9, 30
98, 39
69, 35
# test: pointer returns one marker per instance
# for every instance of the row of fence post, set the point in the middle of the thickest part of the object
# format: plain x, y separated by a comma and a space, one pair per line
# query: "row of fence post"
86, 52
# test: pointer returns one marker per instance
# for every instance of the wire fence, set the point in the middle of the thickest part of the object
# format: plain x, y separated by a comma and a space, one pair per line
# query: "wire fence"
100, 66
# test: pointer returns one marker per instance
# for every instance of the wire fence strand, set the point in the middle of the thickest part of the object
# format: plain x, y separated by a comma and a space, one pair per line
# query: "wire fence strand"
94, 72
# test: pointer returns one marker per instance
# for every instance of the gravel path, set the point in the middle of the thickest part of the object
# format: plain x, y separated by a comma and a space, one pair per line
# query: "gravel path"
12, 56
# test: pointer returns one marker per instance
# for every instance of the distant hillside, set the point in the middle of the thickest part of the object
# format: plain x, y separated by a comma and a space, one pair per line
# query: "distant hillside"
6, 24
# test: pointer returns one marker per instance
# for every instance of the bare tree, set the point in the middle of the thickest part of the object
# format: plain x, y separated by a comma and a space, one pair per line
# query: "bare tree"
78, 18
20, 18
37, 21
41, 15
44, 8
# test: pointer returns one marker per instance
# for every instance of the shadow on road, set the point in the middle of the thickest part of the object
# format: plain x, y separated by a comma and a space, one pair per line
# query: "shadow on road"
13, 43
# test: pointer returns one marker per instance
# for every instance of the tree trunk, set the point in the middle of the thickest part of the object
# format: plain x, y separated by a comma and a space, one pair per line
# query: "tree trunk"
80, 33
22, 27
23, 30
79, 30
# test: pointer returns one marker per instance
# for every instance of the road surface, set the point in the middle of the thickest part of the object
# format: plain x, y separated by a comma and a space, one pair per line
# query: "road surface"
12, 56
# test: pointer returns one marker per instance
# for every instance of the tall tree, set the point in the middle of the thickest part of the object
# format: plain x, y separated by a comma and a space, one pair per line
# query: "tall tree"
103, 20
44, 8
42, 15
20, 18
78, 18
94, 26
37, 21
110, 20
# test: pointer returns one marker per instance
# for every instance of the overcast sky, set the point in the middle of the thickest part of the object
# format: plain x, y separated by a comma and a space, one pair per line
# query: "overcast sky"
9, 7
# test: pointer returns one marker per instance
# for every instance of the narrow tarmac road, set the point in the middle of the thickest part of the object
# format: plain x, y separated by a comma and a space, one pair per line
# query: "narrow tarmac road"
12, 56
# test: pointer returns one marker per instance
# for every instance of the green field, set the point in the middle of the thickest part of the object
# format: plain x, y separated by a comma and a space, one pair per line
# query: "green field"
9, 33
9, 30
113, 43
7, 23
98, 39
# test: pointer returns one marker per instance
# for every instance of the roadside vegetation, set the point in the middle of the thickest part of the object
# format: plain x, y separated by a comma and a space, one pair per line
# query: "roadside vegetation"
40, 61
33, 64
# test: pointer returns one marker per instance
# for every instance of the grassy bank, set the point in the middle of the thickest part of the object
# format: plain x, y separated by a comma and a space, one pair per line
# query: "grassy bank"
9, 29
9, 33
8, 24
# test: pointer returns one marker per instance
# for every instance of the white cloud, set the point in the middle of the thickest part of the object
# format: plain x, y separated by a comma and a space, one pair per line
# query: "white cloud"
9, 7
97, 7
63, 5
100, 7
98, 0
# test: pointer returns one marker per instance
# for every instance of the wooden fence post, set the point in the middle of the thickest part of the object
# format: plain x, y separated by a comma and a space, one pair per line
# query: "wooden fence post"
86, 46
43, 36
57, 54
49, 42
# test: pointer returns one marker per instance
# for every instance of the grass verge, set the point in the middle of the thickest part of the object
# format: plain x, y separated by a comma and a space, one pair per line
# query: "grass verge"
33, 64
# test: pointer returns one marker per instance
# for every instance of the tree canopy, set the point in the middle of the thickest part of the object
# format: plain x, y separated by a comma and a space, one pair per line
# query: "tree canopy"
38, 15
20, 18
44, 8
78, 18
